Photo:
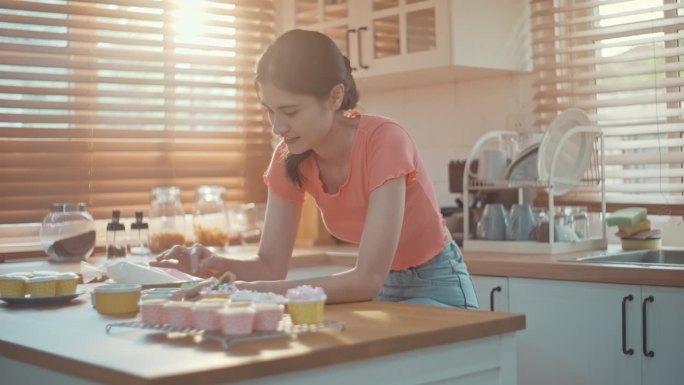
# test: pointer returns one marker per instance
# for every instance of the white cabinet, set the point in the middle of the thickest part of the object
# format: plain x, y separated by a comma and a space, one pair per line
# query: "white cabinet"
394, 43
664, 335
492, 292
576, 333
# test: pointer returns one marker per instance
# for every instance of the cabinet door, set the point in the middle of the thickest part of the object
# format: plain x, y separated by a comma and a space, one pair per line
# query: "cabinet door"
573, 333
332, 17
491, 291
664, 336
401, 35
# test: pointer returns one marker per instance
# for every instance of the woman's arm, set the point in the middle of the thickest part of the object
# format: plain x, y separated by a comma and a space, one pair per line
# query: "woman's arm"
275, 249
379, 241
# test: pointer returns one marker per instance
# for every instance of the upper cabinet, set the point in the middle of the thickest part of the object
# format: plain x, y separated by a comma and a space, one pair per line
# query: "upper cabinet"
398, 43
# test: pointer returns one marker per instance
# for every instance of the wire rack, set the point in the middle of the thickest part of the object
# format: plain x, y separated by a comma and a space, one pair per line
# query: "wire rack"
285, 329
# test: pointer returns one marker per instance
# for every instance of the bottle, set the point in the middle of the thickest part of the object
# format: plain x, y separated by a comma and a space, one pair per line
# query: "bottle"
67, 232
210, 222
116, 237
167, 219
139, 236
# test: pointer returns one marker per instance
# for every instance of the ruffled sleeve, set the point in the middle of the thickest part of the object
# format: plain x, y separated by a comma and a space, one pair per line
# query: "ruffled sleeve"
391, 153
277, 181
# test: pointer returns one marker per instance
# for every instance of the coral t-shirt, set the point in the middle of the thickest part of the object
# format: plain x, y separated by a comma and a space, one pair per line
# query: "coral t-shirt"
381, 150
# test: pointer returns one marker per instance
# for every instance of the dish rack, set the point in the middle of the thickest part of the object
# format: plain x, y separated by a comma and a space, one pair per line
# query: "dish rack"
593, 177
285, 329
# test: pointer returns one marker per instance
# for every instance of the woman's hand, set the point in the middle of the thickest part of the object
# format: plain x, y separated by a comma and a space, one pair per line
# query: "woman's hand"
188, 259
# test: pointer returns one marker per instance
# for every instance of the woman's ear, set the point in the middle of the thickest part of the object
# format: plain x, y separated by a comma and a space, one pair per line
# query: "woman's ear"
336, 96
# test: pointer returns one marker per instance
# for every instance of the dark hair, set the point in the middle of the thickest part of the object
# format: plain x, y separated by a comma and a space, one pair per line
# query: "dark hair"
306, 62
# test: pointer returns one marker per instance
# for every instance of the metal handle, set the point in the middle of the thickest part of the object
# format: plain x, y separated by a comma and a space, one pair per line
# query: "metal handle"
626, 351
647, 353
491, 297
346, 36
359, 48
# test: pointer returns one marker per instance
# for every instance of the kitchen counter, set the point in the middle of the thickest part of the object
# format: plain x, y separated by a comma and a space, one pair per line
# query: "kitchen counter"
381, 342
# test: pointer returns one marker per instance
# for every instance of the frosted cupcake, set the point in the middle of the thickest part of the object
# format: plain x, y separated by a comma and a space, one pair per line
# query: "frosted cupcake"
243, 296
179, 314
66, 283
236, 320
306, 304
205, 314
12, 286
222, 291
152, 311
41, 286
267, 316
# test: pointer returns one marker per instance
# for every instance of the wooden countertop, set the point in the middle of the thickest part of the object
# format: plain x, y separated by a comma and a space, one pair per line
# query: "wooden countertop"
71, 339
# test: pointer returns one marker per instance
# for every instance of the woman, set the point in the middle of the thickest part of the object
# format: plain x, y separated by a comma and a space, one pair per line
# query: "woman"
366, 177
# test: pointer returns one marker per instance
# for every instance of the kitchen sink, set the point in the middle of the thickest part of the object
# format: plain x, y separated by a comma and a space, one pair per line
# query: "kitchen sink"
640, 257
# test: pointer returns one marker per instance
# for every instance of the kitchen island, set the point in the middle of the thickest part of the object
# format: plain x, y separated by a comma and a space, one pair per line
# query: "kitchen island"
381, 343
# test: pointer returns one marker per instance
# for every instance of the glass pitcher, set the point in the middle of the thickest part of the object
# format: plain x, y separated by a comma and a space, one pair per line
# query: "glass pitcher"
68, 232
210, 222
167, 219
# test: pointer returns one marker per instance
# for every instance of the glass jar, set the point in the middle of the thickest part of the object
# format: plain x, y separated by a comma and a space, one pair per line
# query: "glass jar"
68, 232
210, 221
167, 219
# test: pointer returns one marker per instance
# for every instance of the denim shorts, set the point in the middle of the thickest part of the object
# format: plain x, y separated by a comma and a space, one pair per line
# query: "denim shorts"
442, 281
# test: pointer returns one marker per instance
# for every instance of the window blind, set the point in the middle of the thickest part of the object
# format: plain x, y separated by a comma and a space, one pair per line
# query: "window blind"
100, 101
622, 62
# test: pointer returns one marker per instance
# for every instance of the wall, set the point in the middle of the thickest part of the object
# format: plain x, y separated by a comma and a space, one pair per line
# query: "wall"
445, 120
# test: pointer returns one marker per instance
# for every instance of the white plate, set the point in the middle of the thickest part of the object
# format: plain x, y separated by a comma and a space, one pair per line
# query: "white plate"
574, 155
524, 166
36, 301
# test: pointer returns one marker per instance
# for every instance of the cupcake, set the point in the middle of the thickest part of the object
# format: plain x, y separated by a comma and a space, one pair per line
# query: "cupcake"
222, 291
152, 311
41, 286
306, 304
179, 314
267, 316
66, 283
236, 320
205, 314
12, 286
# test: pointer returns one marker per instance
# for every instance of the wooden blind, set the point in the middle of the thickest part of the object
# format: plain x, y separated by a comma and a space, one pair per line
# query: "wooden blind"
100, 101
623, 63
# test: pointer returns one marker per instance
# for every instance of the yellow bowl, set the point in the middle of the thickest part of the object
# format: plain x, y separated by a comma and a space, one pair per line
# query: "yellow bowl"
117, 298
12, 286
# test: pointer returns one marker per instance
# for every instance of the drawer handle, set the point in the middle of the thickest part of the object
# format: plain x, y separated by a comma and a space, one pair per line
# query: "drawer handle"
626, 351
491, 297
647, 353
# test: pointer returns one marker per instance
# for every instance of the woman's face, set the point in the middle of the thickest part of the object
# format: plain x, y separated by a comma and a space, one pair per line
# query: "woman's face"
301, 120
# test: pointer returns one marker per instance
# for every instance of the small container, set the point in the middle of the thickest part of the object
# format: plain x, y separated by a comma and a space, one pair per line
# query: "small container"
167, 219
117, 298
139, 237
116, 238
67, 232
210, 222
